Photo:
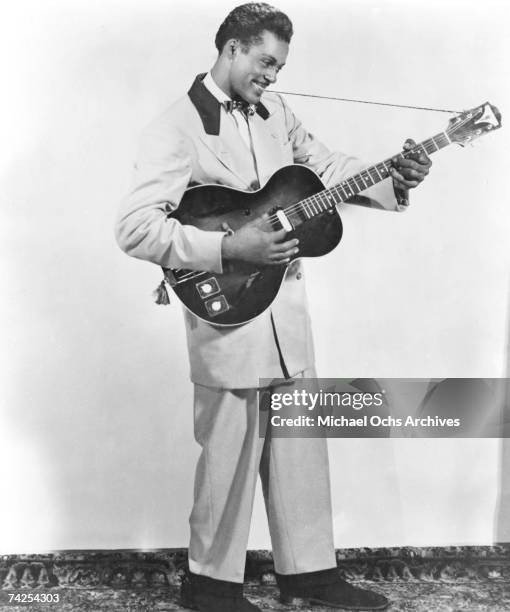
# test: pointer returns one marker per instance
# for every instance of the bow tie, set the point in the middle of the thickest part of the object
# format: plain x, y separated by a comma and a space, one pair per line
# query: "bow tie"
241, 105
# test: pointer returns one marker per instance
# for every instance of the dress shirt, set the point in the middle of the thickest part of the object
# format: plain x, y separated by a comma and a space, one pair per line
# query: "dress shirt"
237, 116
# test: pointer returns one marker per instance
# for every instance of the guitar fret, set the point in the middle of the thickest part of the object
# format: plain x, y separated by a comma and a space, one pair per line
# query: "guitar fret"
355, 181
385, 163
371, 171
433, 146
343, 193
421, 145
433, 142
331, 199
383, 171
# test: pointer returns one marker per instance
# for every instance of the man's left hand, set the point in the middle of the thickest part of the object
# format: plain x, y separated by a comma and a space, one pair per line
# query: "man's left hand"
409, 172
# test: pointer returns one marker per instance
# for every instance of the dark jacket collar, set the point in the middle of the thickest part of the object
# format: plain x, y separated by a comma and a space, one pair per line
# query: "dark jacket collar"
209, 108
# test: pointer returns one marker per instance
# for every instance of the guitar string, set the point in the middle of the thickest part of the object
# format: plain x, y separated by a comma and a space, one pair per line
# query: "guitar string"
295, 207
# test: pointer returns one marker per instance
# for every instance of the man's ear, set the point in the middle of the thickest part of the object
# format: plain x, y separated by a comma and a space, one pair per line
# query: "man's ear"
232, 46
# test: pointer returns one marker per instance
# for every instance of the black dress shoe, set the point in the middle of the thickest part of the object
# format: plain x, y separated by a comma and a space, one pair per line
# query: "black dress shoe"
326, 588
209, 595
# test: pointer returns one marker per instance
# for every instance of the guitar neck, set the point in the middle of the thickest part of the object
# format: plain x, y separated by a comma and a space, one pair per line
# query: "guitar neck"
329, 198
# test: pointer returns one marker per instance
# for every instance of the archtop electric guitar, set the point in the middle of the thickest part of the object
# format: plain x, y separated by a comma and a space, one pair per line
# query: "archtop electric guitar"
294, 199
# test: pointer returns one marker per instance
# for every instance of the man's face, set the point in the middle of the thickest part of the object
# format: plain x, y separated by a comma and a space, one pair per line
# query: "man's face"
252, 71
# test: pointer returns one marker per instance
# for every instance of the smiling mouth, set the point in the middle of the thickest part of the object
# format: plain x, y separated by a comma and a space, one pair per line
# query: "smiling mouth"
260, 86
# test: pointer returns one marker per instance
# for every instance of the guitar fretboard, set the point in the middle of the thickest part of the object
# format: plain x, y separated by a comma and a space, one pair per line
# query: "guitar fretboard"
328, 198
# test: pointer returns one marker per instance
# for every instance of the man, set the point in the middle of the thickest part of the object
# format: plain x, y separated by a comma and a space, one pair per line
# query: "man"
206, 138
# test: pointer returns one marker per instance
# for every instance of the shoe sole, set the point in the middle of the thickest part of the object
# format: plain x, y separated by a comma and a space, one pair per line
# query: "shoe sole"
301, 602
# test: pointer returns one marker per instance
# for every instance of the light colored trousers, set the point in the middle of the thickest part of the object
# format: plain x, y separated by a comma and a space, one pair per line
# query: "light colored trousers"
295, 482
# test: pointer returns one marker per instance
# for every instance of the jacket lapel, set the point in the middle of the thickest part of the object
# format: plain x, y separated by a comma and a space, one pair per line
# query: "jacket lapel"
231, 151
222, 137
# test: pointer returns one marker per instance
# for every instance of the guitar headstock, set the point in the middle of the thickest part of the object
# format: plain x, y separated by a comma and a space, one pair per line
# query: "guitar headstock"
471, 124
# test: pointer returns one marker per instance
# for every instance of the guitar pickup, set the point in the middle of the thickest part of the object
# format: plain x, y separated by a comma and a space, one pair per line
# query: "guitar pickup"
208, 287
284, 221
217, 305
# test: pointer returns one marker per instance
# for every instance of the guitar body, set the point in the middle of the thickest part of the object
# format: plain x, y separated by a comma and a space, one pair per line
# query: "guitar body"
246, 290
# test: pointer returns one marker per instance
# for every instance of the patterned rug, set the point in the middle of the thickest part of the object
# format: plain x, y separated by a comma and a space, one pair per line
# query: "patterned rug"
474, 579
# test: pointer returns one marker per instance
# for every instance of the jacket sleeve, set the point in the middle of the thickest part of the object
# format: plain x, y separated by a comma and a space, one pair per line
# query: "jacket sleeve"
334, 167
162, 173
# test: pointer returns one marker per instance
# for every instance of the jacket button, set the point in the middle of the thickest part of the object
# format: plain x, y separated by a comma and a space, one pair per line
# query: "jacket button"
298, 276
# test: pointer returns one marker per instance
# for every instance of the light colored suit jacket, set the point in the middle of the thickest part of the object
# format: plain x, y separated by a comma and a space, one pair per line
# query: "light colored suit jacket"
191, 144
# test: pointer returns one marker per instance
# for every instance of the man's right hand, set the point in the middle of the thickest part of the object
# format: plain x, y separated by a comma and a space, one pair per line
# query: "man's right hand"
254, 243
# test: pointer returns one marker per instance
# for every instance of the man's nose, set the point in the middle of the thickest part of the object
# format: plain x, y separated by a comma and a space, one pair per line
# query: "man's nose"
271, 74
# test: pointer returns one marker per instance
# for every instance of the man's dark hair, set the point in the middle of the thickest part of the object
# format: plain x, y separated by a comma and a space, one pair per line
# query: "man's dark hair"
248, 21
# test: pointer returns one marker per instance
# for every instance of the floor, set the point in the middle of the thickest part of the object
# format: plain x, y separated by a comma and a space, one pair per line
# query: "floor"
417, 596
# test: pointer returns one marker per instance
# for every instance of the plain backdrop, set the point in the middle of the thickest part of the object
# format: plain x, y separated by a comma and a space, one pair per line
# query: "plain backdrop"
96, 446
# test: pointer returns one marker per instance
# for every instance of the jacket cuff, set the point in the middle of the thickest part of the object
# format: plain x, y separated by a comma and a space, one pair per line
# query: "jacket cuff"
402, 197
207, 255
